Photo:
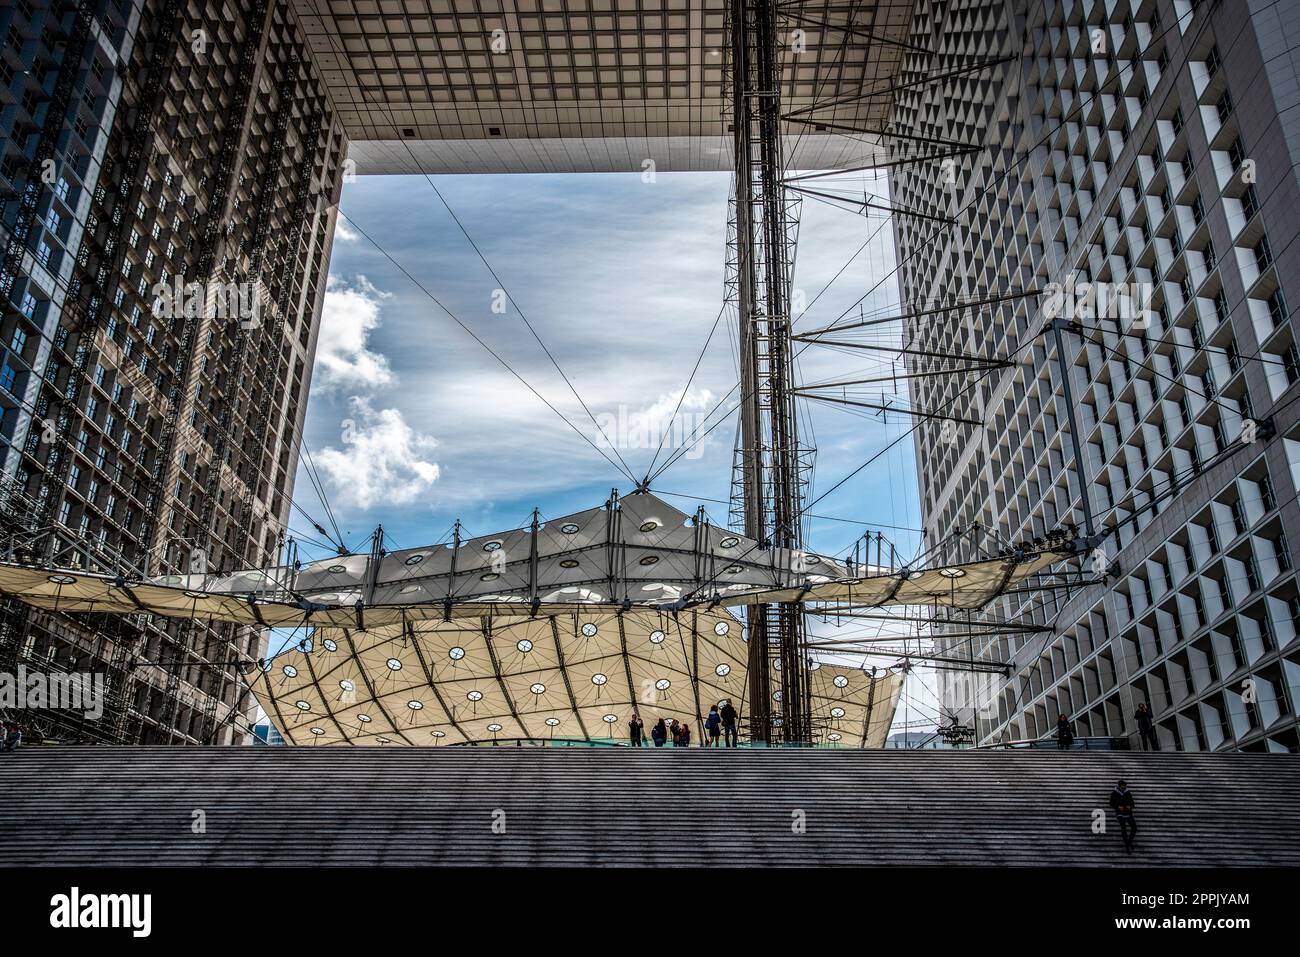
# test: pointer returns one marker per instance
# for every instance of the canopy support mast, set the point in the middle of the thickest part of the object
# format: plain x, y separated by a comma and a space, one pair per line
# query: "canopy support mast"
769, 453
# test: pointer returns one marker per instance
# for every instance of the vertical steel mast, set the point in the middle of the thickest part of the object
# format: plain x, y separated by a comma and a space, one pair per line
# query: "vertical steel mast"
771, 486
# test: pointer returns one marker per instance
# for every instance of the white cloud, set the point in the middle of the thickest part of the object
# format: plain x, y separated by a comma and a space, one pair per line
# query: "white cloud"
655, 426
350, 314
343, 233
382, 459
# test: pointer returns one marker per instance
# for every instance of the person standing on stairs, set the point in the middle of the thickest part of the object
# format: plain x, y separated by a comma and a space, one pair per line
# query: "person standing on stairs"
712, 727
1064, 733
729, 716
659, 733
1146, 723
636, 731
1121, 800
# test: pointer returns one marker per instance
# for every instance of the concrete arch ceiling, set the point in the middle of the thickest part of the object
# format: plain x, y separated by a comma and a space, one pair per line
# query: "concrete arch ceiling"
591, 85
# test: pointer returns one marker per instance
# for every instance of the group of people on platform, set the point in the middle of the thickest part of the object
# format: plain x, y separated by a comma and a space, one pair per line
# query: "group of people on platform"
719, 729
1146, 725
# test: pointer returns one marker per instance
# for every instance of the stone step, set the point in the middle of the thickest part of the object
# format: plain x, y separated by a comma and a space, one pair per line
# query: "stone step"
79, 806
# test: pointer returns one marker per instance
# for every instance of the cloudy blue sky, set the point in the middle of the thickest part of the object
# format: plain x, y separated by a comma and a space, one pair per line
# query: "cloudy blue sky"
413, 423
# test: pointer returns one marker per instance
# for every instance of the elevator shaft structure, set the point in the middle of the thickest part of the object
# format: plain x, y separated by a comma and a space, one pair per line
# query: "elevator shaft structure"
771, 463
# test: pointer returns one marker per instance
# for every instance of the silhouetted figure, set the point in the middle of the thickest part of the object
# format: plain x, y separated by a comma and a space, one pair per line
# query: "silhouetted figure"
13, 738
686, 734
659, 733
729, 716
1146, 723
636, 731
713, 727
1064, 733
675, 730
1121, 799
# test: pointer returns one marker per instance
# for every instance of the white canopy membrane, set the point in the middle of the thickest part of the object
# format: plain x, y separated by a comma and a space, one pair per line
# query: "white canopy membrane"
577, 675
605, 611
643, 553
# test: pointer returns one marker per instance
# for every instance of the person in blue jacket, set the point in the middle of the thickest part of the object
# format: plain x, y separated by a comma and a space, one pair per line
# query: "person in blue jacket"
713, 725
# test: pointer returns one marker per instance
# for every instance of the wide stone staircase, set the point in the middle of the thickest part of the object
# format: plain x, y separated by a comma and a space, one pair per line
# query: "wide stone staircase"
80, 806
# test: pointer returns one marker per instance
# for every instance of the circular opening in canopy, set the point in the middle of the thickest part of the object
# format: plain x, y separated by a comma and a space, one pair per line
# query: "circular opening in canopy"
524, 645
589, 630
62, 580
337, 569
729, 542
649, 560
840, 681
552, 722
568, 528
722, 670
290, 671
393, 664
414, 560
649, 526
492, 546
569, 563
952, 572
456, 653
656, 637
475, 696
537, 688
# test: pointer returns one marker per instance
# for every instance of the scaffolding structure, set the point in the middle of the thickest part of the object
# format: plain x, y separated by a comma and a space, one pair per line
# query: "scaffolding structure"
772, 466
